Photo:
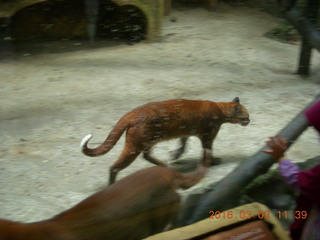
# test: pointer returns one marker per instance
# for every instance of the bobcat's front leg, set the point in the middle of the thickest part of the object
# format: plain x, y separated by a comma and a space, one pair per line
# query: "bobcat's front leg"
175, 154
207, 141
147, 156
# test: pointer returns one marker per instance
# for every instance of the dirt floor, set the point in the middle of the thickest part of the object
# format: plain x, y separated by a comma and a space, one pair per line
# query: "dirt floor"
51, 99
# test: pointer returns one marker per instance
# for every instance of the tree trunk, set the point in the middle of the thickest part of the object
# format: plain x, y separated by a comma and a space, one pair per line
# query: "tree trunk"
311, 35
304, 26
92, 8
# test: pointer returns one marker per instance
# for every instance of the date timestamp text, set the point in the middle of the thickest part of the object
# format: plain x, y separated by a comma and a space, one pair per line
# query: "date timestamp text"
259, 215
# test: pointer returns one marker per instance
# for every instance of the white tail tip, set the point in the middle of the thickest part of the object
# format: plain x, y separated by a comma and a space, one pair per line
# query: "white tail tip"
85, 141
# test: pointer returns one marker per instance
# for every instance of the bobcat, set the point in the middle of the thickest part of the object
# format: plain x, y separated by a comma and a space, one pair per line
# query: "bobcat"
139, 205
157, 121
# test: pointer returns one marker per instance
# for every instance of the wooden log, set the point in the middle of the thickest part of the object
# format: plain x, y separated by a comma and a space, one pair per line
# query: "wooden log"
225, 194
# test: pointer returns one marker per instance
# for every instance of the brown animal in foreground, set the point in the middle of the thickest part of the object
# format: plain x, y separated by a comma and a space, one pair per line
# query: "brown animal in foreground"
157, 121
137, 206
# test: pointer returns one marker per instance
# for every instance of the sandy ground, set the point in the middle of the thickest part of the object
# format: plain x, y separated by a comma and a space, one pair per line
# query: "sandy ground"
50, 101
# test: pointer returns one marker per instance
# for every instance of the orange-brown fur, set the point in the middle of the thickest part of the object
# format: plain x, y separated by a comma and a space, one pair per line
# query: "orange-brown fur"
137, 206
157, 121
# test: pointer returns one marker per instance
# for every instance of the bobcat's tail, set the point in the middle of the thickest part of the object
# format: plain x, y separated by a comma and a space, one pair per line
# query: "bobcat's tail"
107, 145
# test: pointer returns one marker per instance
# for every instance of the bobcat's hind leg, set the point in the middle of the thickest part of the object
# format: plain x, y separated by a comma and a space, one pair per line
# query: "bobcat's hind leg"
147, 156
206, 141
175, 154
126, 158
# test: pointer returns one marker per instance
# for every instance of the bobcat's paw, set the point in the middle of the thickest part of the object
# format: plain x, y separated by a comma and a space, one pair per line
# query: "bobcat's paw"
175, 154
215, 161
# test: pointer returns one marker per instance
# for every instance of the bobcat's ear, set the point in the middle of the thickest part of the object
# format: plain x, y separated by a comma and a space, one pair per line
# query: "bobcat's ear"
237, 110
236, 99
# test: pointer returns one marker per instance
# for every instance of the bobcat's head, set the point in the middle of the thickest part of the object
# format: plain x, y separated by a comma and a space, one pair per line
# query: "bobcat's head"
237, 113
